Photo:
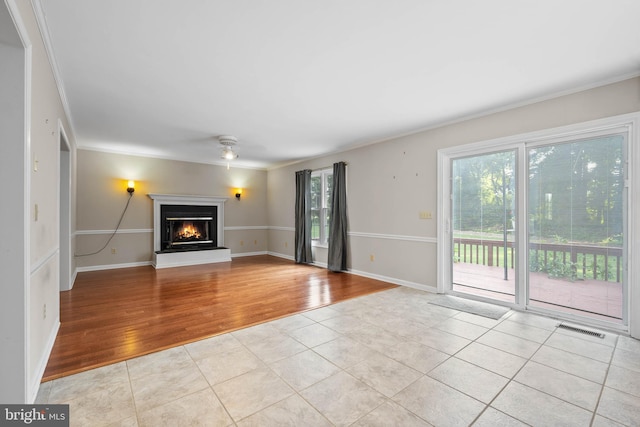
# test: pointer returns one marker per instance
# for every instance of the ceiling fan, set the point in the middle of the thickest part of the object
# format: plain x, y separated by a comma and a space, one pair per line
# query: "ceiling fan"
227, 152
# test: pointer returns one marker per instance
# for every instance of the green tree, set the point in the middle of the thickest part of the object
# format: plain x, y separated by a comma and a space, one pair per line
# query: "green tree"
575, 190
479, 199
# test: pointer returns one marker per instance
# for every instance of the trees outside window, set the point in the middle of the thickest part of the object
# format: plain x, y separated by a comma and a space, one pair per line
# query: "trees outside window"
321, 187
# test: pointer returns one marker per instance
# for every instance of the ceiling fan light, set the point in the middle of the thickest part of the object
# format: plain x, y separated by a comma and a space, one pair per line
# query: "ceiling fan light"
228, 154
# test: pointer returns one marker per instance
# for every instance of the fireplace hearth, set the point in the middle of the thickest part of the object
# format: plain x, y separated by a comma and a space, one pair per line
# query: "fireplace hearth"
188, 230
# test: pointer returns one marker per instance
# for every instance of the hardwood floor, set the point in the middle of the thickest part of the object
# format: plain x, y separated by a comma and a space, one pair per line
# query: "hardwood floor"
115, 315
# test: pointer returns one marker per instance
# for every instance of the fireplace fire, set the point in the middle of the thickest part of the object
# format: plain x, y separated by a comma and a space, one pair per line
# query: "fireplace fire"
188, 232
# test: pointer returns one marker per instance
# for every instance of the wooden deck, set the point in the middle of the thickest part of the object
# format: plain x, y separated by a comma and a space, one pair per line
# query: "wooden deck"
115, 315
592, 298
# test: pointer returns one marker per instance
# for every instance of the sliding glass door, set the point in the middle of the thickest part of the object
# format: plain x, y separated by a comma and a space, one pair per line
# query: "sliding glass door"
484, 223
540, 224
576, 211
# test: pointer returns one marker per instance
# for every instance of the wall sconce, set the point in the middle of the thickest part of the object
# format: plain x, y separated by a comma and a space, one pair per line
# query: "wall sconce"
238, 193
131, 187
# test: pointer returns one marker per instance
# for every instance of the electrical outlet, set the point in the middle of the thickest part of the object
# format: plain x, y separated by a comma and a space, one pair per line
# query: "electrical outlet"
44, 311
113, 251
255, 242
35, 212
241, 242
286, 244
372, 258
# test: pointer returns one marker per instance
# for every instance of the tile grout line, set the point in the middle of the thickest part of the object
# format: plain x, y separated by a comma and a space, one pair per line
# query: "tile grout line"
266, 365
594, 411
487, 405
209, 384
513, 378
426, 374
386, 398
177, 398
450, 356
133, 397
367, 311
295, 392
341, 369
390, 399
604, 382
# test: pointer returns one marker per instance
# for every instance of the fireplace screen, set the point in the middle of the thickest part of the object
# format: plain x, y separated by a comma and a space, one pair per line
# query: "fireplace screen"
187, 228
187, 231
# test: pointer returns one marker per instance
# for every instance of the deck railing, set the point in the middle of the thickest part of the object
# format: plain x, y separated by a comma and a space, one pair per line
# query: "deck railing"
558, 260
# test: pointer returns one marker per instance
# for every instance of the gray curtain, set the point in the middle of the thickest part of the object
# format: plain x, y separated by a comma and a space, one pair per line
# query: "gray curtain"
303, 217
337, 260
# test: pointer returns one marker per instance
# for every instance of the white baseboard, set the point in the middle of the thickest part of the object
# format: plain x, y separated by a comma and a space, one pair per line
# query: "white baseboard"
112, 266
392, 280
239, 255
34, 386
395, 281
279, 255
140, 264
72, 280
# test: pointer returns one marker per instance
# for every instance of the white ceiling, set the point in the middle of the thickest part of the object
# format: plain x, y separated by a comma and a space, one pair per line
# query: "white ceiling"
294, 79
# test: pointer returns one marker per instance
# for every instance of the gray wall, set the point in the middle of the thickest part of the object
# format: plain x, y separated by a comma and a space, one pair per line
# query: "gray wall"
31, 284
390, 183
102, 183
13, 248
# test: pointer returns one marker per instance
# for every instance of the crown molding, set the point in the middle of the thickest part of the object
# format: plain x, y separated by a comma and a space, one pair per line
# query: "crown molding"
41, 20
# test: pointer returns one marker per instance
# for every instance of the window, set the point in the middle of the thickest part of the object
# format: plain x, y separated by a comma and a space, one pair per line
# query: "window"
321, 187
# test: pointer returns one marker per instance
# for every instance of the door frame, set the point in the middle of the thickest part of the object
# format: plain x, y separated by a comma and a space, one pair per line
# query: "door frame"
516, 149
18, 385
631, 122
64, 208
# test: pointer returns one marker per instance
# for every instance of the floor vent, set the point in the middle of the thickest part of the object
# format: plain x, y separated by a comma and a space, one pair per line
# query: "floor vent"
580, 330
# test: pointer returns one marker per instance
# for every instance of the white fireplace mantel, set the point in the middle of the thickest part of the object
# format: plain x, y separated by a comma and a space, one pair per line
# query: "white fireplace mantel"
193, 257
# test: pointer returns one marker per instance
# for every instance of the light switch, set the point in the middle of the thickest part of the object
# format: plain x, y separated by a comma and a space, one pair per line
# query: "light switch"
425, 215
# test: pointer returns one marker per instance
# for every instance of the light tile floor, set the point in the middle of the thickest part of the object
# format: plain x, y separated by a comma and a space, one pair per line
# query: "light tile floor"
387, 359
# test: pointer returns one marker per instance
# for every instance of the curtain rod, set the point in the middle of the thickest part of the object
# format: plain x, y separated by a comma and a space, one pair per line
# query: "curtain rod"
327, 167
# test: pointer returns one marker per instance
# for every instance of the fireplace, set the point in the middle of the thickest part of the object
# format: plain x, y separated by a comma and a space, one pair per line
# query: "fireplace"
188, 230
187, 227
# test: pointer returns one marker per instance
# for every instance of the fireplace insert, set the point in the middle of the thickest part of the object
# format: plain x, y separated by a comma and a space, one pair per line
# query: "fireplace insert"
187, 227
